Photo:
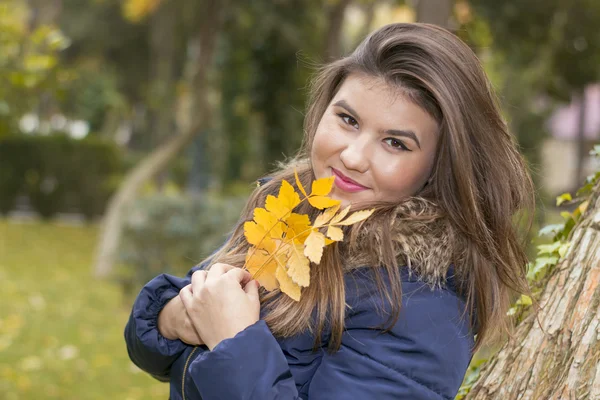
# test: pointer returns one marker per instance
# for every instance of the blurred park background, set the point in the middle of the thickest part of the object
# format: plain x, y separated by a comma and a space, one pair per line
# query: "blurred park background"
159, 116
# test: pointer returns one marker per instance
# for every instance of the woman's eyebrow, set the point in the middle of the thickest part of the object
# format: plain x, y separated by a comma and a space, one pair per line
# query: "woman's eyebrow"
344, 104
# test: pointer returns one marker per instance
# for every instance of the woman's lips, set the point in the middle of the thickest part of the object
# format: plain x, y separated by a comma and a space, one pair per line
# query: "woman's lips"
346, 184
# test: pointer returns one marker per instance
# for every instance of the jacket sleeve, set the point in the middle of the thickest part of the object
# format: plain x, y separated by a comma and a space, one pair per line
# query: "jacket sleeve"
424, 356
147, 348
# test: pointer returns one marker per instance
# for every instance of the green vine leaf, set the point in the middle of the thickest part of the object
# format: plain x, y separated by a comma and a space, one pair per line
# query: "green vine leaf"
562, 198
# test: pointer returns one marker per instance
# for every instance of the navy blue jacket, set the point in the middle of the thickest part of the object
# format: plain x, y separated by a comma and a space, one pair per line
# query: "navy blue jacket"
424, 356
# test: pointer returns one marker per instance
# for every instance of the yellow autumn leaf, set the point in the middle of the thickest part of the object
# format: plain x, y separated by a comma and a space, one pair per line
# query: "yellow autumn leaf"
288, 195
261, 269
282, 205
299, 184
286, 284
285, 243
298, 265
298, 225
276, 206
322, 187
340, 216
313, 246
326, 216
269, 222
322, 202
256, 235
356, 217
335, 233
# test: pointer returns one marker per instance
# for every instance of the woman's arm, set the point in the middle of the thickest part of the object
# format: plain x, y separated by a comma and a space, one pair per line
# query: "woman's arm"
155, 348
159, 328
424, 356
146, 345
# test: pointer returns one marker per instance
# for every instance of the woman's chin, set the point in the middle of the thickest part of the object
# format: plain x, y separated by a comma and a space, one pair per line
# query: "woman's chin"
344, 201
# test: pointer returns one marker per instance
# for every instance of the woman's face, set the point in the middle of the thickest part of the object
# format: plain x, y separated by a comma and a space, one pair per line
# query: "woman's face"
378, 144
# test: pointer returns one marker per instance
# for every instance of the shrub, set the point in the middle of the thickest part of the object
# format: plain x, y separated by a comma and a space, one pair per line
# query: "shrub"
173, 233
58, 173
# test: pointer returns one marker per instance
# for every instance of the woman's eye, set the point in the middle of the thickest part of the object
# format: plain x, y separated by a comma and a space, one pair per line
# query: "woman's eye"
348, 120
397, 144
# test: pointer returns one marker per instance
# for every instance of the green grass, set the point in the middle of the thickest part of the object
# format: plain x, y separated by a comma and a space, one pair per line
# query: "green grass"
61, 330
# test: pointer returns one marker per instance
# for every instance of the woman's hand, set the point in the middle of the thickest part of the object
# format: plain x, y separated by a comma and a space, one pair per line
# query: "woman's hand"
174, 323
221, 302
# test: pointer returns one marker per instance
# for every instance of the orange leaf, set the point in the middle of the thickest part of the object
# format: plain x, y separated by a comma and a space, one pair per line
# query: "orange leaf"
324, 217
282, 205
322, 202
276, 206
269, 222
289, 195
322, 187
340, 216
286, 285
356, 217
257, 260
335, 233
257, 236
313, 246
299, 184
298, 265
298, 224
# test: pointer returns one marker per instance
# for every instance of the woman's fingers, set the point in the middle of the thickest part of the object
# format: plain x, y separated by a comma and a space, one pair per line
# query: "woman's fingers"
198, 280
240, 275
251, 290
218, 269
186, 295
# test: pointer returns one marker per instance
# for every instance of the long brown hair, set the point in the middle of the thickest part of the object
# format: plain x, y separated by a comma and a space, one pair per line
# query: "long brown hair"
478, 184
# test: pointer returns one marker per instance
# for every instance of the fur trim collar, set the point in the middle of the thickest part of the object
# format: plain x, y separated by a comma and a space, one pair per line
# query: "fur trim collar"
422, 237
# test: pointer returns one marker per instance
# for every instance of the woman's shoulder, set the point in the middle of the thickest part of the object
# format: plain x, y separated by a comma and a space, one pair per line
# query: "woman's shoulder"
430, 344
361, 282
424, 306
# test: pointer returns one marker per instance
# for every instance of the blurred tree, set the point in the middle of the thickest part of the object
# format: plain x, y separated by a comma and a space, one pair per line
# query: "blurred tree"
29, 65
195, 117
267, 54
335, 20
437, 12
549, 48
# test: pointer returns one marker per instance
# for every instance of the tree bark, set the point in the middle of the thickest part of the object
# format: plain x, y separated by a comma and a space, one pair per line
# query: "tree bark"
335, 18
559, 357
581, 142
369, 10
197, 117
437, 12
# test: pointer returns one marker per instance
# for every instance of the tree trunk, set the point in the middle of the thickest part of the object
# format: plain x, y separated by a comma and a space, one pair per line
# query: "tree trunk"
335, 18
581, 142
437, 12
162, 72
369, 10
559, 357
197, 117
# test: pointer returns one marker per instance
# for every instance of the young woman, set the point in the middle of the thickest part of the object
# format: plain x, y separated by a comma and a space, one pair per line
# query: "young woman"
408, 125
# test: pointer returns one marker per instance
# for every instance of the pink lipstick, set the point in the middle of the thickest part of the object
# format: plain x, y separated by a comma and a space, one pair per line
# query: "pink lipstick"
345, 183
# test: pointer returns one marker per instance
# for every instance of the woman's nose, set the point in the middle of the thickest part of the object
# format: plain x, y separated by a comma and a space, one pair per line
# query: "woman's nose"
356, 154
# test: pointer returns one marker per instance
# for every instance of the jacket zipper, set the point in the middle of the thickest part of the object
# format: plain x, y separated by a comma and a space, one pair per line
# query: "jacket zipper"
187, 362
